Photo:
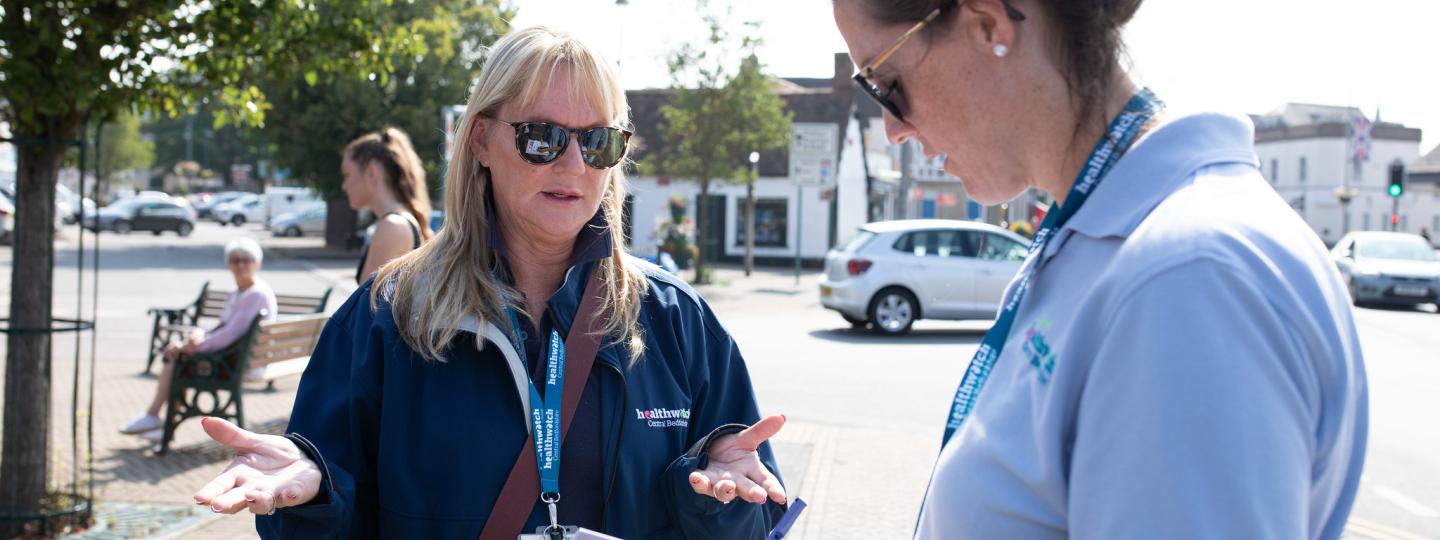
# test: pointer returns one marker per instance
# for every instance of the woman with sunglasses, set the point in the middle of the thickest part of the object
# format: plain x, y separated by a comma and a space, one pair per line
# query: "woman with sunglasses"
437, 400
383, 173
1177, 357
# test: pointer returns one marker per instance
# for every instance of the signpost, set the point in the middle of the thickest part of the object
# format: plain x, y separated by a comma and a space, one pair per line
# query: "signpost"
814, 150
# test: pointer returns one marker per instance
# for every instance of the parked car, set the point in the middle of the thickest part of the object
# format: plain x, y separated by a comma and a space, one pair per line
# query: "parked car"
1388, 267
893, 273
249, 207
310, 220
143, 214
204, 205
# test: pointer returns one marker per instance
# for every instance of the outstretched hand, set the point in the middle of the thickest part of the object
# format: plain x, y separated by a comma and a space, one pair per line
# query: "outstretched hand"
735, 469
269, 472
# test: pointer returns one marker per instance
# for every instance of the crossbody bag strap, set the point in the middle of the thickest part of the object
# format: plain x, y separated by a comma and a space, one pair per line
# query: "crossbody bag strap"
522, 488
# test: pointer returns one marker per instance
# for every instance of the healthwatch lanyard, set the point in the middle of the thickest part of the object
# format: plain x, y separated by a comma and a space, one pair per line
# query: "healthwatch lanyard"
545, 416
1115, 143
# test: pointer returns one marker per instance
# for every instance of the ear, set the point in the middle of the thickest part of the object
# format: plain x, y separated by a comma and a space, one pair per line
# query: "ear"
994, 26
372, 171
478, 148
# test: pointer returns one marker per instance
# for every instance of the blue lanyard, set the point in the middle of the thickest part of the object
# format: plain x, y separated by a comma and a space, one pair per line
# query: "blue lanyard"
1121, 134
545, 413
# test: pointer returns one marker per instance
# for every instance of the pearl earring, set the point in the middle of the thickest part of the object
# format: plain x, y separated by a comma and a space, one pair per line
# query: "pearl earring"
1001, 50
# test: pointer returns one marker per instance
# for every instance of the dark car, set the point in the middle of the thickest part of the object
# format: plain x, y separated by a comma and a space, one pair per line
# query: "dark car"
151, 215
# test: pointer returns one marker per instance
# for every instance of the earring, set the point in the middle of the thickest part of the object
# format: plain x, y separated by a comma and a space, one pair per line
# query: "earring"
1001, 50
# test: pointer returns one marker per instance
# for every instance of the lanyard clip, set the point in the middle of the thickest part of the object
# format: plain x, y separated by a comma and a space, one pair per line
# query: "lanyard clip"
555, 531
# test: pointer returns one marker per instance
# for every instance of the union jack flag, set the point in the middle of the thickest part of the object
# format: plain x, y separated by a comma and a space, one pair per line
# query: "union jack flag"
1360, 138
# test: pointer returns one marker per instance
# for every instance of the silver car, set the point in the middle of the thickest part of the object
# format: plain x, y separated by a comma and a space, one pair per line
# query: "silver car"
1388, 268
311, 220
893, 273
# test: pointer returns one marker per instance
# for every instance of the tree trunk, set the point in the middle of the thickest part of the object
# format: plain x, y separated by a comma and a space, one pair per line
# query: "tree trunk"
700, 230
749, 227
340, 222
23, 460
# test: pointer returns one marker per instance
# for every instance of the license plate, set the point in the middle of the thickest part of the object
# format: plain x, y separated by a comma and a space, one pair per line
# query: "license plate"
1412, 290
825, 292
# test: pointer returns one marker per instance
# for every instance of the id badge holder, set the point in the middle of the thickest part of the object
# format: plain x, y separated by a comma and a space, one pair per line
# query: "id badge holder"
542, 533
571, 533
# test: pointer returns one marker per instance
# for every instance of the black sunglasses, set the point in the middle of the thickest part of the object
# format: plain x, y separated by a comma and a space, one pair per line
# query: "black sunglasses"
889, 97
542, 143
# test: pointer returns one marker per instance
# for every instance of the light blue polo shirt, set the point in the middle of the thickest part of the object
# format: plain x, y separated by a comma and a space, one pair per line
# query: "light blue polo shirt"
1185, 366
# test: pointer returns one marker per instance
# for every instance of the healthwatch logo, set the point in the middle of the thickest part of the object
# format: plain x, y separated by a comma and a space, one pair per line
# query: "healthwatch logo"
664, 418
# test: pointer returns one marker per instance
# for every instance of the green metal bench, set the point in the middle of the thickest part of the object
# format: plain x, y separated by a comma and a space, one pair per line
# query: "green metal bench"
174, 323
210, 384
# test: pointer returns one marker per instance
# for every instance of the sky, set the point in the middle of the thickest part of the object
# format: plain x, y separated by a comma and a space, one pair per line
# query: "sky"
1243, 56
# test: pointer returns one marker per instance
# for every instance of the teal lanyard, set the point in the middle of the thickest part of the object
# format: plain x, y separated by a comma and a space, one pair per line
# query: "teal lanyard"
1117, 140
545, 412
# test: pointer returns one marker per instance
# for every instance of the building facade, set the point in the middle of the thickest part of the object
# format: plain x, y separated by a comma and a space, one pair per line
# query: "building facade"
1337, 181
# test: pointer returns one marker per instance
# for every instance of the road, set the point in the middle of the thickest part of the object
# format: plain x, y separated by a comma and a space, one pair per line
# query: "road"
865, 411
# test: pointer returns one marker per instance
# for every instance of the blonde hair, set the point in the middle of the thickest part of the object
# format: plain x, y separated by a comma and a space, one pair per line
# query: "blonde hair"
433, 288
404, 173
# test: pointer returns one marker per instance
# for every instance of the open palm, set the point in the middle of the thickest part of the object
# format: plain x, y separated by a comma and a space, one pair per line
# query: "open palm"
735, 469
268, 472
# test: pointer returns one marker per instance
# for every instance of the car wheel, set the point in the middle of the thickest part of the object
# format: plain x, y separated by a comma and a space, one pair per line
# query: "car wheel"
121, 226
156, 232
294, 231
854, 322
184, 229
893, 311
237, 221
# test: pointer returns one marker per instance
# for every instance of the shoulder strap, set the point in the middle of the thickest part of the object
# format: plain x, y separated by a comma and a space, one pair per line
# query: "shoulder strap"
414, 226
522, 488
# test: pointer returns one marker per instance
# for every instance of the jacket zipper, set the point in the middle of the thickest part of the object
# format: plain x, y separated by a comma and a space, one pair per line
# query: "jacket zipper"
615, 453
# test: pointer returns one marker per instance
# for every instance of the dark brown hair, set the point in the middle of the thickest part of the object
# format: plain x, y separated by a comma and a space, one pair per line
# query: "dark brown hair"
401, 167
1088, 33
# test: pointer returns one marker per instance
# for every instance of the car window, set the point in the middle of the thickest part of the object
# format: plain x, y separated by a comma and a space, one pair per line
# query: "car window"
1000, 248
949, 243
852, 245
959, 243
1402, 249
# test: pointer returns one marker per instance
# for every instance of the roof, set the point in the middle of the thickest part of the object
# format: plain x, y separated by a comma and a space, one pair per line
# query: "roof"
916, 224
809, 100
1307, 120
1427, 164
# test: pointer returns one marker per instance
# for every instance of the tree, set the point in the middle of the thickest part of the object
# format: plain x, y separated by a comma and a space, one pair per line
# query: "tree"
65, 63
122, 148
716, 118
760, 125
193, 136
313, 122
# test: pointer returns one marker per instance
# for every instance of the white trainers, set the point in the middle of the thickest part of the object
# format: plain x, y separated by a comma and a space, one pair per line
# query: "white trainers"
154, 435
145, 423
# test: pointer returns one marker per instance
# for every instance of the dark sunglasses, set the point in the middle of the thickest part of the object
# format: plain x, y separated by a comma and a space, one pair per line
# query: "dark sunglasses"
889, 96
542, 143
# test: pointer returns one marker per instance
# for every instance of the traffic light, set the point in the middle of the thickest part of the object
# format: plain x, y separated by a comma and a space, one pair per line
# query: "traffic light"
1397, 180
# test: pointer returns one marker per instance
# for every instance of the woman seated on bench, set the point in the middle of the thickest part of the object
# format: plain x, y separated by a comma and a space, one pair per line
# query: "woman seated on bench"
252, 297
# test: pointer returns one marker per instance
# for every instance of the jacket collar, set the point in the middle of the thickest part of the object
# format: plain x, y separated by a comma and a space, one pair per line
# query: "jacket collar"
1155, 168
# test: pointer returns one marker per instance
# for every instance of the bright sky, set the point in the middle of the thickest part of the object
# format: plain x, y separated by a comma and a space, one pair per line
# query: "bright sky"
1247, 56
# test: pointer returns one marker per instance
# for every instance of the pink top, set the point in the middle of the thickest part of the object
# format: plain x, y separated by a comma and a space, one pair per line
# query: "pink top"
240, 310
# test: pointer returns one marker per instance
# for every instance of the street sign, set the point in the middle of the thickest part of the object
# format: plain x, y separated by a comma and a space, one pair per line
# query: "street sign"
813, 153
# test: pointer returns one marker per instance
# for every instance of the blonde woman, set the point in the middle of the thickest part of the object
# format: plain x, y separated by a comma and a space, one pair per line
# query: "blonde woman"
412, 419
383, 173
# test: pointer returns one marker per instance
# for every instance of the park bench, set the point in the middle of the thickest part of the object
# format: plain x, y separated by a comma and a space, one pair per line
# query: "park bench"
210, 384
173, 323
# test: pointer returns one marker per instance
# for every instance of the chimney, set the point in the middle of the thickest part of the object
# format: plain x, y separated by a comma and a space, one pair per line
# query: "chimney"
844, 69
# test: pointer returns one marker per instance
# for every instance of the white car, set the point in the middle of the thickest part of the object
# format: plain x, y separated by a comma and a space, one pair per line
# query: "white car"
239, 211
893, 273
1388, 268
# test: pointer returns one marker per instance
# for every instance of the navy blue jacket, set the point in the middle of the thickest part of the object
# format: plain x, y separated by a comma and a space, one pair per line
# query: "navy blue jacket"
417, 449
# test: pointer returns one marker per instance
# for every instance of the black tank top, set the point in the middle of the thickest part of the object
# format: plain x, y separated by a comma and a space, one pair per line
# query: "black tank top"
414, 232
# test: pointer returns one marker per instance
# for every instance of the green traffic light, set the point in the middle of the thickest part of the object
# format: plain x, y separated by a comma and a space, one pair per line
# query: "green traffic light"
1395, 190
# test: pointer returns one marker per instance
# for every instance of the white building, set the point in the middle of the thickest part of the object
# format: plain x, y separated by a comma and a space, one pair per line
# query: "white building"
1307, 151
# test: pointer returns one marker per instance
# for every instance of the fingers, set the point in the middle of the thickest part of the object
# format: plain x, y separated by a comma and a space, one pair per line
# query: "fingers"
260, 502
227, 433
221, 484
724, 487
762, 431
772, 488
700, 483
232, 501
749, 491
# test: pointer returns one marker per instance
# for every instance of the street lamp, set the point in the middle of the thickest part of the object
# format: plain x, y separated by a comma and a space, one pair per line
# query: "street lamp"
750, 213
